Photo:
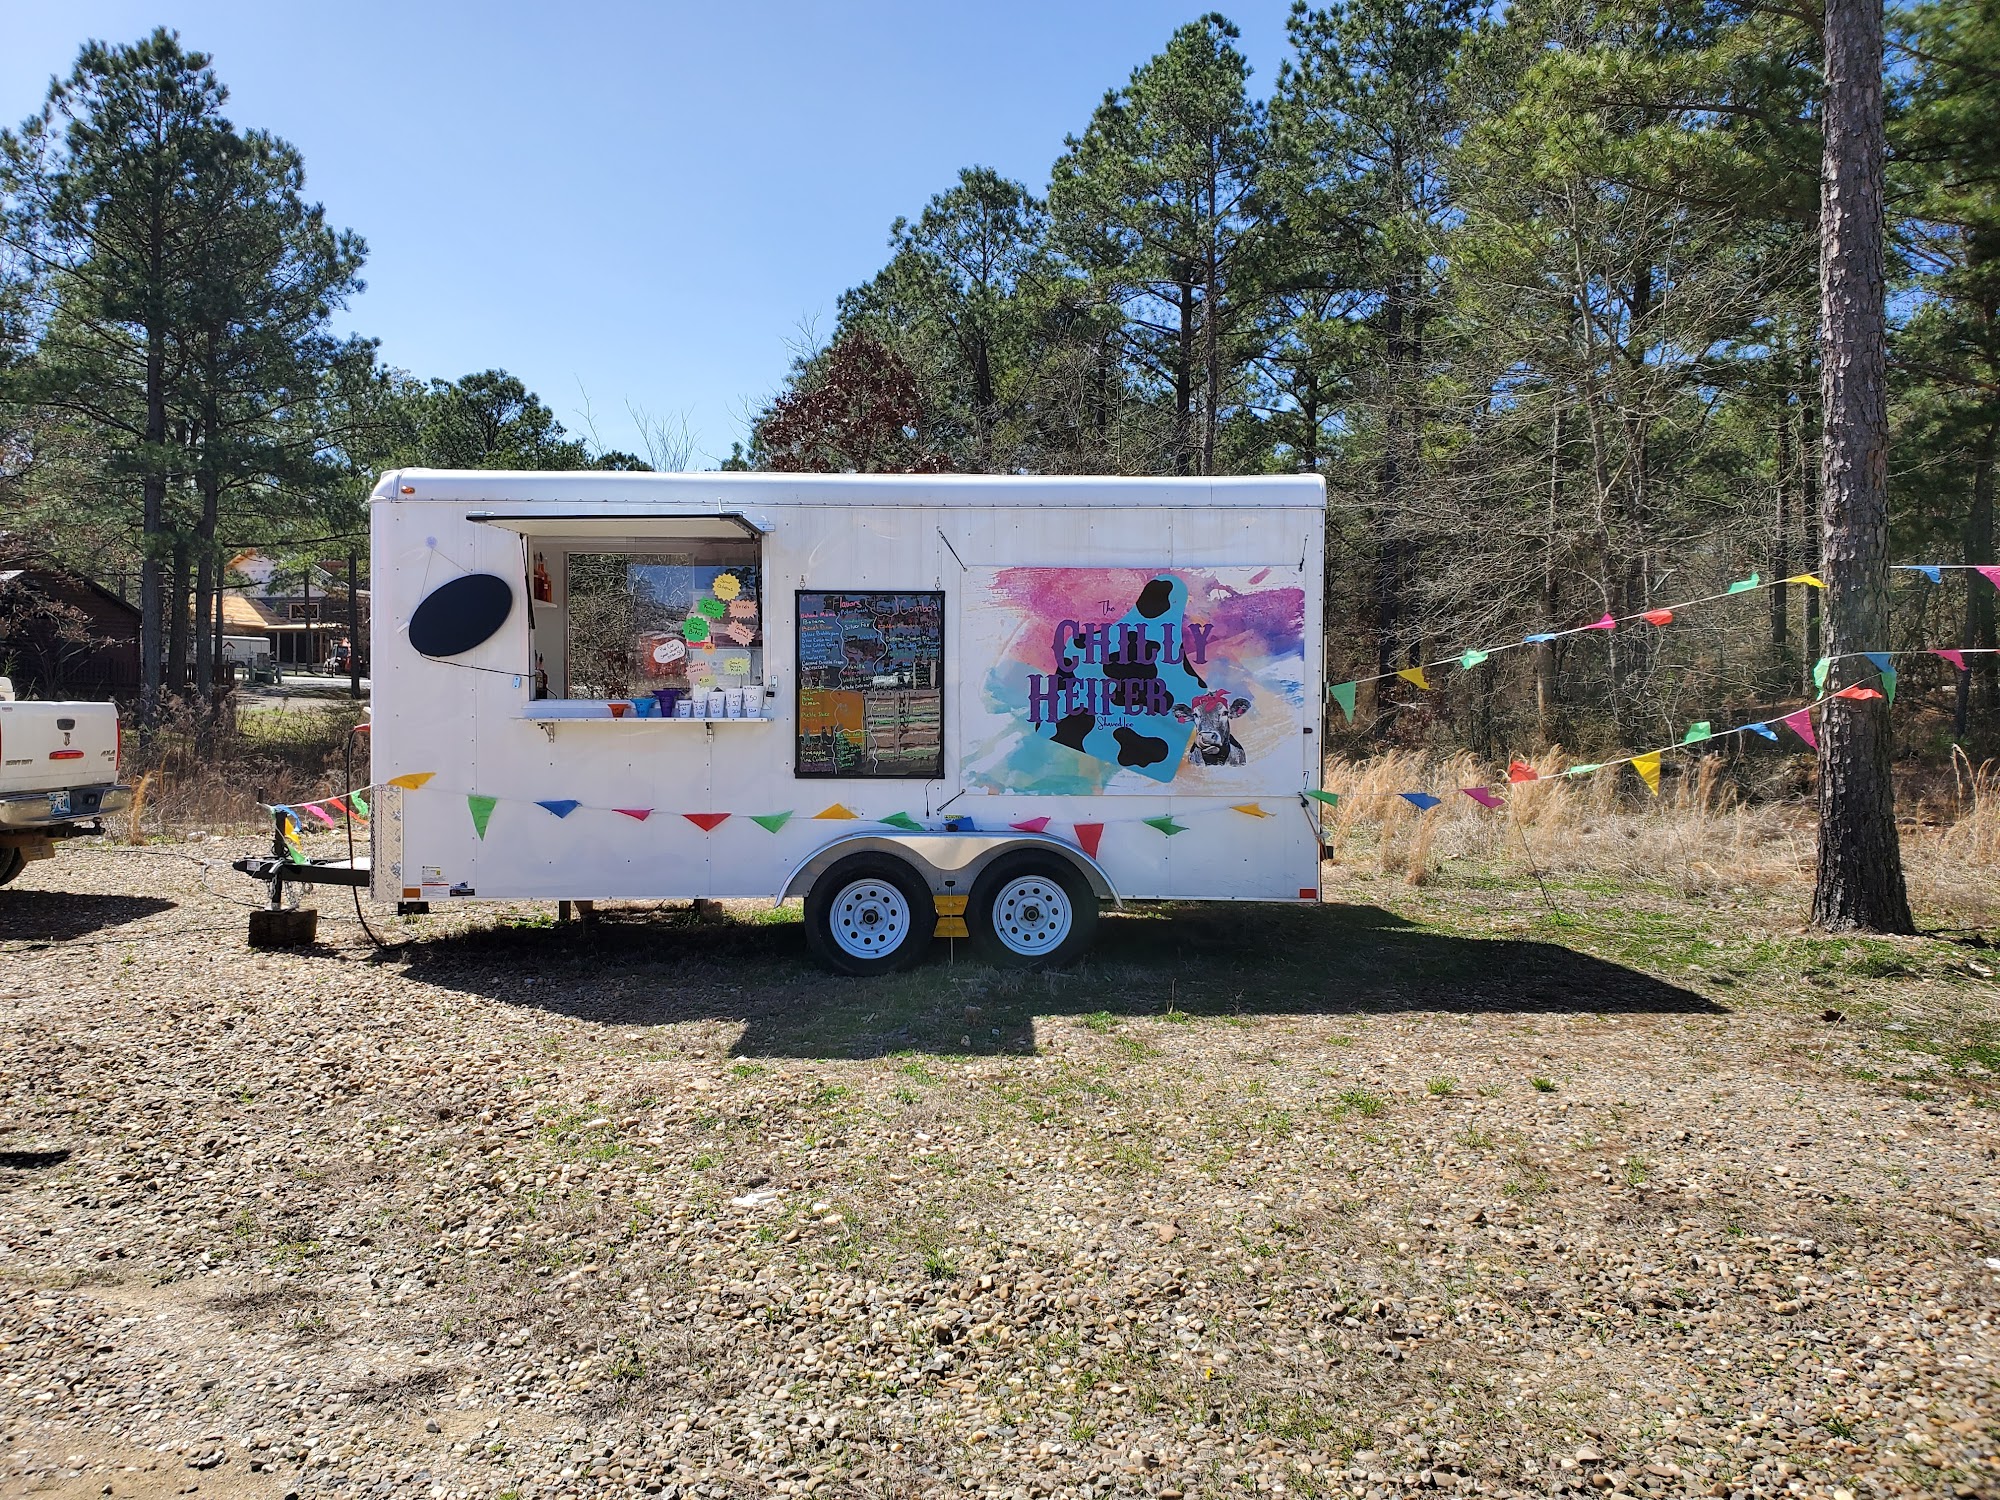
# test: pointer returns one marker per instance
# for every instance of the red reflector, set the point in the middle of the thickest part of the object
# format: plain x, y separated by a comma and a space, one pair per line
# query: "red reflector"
1307, 893
65, 755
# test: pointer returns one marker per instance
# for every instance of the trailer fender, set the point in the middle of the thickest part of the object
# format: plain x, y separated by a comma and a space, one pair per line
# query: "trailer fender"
949, 862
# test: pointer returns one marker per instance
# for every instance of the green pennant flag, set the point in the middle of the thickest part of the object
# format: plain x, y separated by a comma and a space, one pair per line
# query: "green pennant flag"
770, 822
1472, 659
295, 854
359, 806
902, 820
1585, 769
1889, 683
1744, 585
1166, 825
1698, 732
482, 809
1820, 669
1343, 694
1331, 799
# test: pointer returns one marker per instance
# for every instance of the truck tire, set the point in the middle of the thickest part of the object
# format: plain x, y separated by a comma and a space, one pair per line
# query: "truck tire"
13, 860
1031, 911
869, 914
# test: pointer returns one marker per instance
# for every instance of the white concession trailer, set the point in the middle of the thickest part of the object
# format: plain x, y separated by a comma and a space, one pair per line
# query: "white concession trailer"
931, 705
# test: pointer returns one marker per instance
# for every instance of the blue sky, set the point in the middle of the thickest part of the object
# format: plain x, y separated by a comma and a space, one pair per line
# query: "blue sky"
632, 203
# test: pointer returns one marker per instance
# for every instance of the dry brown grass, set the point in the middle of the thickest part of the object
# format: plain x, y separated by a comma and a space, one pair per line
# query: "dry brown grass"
1701, 836
194, 771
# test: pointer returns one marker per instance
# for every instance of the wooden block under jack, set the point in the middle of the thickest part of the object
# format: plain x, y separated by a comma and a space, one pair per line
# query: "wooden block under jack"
586, 911
284, 929
703, 907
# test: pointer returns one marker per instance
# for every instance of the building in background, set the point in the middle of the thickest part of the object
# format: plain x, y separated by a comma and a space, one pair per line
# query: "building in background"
300, 607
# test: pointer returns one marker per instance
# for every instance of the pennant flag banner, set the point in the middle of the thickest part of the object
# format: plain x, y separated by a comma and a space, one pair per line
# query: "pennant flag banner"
359, 806
1415, 675
1088, 836
770, 822
1956, 658
482, 810
1422, 801
1329, 798
1249, 810
836, 812
1991, 575
1482, 796
319, 813
1807, 579
1648, 767
1658, 617
899, 820
637, 814
1857, 693
1801, 724
707, 822
1745, 585
1820, 669
1585, 769
1536, 640
562, 807
1031, 825
412, 780
1521, 771
1762, 729
1472, 659
338, 806
1607, 623
1697, 733
1343, 694
1934, 574
1166, 825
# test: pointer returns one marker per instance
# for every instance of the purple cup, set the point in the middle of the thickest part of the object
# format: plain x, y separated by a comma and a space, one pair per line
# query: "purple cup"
666, 698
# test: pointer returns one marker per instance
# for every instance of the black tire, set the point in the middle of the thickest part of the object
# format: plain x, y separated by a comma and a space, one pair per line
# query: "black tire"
13, 860
1010, 913
850, 909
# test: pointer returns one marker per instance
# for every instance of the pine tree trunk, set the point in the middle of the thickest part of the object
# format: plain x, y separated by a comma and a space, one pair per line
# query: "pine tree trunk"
177, 617
1978, 548
1860, 870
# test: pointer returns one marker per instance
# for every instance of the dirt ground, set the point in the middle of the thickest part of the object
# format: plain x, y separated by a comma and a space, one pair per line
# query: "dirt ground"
1451, 1188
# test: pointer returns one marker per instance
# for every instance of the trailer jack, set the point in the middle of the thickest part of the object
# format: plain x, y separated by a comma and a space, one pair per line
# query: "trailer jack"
275, 925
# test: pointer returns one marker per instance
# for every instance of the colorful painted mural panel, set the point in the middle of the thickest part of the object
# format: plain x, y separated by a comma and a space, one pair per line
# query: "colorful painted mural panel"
1133, 680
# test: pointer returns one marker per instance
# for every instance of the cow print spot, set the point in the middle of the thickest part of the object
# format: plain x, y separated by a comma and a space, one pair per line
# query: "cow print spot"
1156, 598
454, 617
1071, 729
1139, 750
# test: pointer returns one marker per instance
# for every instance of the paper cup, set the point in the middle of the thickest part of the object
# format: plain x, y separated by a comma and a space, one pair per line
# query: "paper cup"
684, 709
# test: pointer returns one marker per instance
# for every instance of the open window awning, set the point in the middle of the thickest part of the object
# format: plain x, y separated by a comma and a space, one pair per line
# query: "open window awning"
599, 525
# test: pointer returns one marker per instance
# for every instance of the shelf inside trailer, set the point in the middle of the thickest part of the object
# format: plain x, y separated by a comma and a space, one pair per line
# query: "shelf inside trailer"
580, 711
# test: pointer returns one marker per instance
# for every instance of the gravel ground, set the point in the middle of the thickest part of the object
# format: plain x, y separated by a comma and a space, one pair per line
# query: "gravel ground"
1389, 1196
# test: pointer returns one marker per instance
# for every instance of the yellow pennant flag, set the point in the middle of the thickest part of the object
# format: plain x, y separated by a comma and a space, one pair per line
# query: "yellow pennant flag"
1248, 809
411, 781
836, 811
1648, 767
1807, 579
1416, 675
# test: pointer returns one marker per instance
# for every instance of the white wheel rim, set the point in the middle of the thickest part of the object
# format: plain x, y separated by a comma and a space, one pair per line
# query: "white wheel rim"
870, 919
1032, 915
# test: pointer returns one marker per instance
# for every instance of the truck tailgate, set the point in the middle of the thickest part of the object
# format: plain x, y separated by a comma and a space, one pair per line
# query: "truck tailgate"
47, 746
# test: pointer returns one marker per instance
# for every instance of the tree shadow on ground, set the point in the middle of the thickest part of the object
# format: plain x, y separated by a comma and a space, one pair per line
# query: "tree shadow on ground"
659, 968
56, 916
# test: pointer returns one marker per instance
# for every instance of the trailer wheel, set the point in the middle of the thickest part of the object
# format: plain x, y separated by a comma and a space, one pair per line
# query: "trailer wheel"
1032, 911
13, 860
868, 914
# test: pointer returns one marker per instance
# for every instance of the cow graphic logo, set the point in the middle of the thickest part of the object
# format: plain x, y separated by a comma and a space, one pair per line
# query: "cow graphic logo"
1118, 679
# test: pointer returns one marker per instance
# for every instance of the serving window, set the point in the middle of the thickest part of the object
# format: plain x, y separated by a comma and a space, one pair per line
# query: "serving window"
870, 684
646, 620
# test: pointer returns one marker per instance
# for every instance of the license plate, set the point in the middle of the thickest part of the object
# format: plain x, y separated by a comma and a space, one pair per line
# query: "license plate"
58, 804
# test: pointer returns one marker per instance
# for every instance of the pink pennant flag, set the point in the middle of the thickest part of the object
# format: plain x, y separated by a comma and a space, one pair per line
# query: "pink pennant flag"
639, 814
1482, 796
1956, 658
1031, 825
318, 812
1989, 573
1801, 725
1607, 623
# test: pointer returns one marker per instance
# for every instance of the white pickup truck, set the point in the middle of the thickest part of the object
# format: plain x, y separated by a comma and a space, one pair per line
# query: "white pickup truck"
59, 765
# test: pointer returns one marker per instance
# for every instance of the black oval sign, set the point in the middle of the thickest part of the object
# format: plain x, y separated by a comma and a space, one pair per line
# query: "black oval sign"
454, 617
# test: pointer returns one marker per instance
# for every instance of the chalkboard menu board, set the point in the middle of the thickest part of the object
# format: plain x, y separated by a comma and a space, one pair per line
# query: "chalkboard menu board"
870, 684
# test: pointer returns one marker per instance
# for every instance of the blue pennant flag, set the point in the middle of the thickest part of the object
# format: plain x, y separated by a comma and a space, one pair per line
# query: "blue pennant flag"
1880, 659
1764, 729
1536, 640
1422, 801
561, 808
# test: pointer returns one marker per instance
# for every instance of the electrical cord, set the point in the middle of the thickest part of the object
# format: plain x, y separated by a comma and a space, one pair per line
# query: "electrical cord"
355, 890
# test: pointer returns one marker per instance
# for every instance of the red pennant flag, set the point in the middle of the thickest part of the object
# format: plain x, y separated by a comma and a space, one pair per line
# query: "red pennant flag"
706, 822
1859, 693
1607, 623
1956, 658
337, 805
1088, 835
638, 813
1482, 796
1658, 617
1800, 724
1031, 825
1519, 771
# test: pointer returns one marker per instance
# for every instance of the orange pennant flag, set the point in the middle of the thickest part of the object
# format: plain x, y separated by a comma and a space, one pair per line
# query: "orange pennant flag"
836, 812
